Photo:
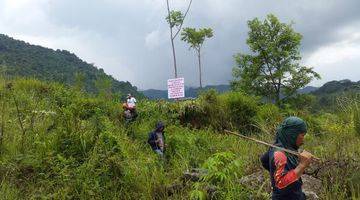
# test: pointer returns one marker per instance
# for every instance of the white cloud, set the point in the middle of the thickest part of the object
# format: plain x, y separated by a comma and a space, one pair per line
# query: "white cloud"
154, 39
340, 60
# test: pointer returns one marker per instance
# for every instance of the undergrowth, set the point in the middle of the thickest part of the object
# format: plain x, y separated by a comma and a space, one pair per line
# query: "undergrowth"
59, 143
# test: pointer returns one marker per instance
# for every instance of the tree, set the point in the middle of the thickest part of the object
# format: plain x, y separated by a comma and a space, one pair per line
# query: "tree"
175, 20
196, 40
273, 69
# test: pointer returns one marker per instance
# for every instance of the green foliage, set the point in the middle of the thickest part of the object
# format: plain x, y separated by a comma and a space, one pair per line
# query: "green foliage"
175, 18
335, 96
222, 167
76, 146
242, 110
196, 38
228, 110
272, 69
301, 101
357, 118
103, 85
268, 118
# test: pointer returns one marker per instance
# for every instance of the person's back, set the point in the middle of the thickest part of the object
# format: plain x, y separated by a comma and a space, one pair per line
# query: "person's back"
157, 139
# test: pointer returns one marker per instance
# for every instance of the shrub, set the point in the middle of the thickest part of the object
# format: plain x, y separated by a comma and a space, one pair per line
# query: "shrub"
301, 101
241, 110
268, 118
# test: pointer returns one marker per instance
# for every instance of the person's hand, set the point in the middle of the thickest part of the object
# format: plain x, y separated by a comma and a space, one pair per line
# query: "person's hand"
305, 158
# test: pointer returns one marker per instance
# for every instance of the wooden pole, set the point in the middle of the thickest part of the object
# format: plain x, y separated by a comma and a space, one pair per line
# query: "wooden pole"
269, 145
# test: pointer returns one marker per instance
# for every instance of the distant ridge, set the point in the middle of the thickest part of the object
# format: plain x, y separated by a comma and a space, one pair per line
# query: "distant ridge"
19, 58
338, 86
189, 91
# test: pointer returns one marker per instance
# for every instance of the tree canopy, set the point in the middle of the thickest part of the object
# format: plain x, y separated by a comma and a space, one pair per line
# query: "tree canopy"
195, 38
272, 69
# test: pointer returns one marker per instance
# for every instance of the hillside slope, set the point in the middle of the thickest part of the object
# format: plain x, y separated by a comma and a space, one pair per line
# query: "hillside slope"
19, 58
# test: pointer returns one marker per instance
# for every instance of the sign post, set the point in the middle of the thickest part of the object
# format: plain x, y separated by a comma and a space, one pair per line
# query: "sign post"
176, 88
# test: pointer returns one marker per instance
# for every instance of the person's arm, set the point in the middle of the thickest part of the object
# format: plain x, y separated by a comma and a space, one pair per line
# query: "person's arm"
305, 160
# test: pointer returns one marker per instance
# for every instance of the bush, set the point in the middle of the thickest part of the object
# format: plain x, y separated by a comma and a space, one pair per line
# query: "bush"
301, 101
241, 110
268, 118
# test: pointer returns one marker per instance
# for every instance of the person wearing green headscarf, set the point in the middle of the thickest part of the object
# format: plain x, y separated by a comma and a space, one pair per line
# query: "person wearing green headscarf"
286, 169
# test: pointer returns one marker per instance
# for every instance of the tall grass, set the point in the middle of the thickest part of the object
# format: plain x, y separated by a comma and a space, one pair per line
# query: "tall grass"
59, 143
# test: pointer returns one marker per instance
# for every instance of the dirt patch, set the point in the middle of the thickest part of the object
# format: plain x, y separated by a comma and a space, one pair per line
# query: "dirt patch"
261, 181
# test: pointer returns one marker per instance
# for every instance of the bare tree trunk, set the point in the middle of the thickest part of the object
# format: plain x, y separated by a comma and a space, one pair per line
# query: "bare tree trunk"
174, 57
200, 74
172, 39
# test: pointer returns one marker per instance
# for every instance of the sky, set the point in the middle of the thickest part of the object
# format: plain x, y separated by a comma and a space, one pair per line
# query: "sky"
130, 39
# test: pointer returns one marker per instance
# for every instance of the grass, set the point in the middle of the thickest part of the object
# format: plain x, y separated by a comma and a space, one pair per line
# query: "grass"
62, 144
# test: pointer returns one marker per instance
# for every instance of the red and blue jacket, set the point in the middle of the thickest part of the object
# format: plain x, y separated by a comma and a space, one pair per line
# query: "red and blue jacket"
286, 185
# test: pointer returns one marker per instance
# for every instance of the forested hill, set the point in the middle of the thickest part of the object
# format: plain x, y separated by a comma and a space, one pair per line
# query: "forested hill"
18, 58
338, 86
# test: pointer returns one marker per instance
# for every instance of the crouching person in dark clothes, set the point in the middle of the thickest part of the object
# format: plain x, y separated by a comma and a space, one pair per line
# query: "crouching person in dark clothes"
157, 139
286, 169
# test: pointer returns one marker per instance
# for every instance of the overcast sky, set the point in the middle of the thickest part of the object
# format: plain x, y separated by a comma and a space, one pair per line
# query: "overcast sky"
129, 39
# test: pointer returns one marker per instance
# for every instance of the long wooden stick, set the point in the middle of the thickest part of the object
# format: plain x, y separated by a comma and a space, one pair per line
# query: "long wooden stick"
269, 145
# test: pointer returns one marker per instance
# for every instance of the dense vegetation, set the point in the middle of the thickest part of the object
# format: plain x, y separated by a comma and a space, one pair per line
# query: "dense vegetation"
327, 95
60, 143
18, 58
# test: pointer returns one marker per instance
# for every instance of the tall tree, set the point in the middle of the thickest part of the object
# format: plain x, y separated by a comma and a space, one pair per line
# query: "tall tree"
175, 20
273, 68
196, 40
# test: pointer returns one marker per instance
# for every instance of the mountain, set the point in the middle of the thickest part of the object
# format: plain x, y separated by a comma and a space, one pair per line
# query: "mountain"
155, 94
18, 58
189, 91
337, 87
307, 89
328, 95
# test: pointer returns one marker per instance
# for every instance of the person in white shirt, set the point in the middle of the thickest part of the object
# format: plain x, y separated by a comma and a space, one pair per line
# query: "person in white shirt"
131, 105
131, 102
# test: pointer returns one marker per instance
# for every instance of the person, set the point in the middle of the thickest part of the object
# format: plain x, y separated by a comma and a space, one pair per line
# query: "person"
131, 102
157, 139
129, 107
127, 113
286, 169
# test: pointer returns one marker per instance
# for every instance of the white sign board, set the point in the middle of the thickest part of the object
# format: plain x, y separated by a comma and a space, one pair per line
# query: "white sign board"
176, 88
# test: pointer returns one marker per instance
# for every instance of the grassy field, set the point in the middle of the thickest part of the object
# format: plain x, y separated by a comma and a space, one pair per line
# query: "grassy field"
59, 143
